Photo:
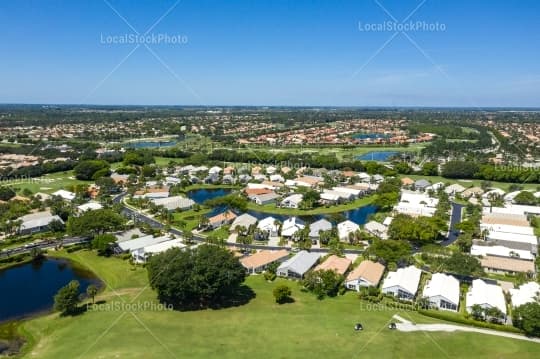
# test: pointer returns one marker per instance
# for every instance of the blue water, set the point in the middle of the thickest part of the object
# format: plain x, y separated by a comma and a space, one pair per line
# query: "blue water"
363, 136
29, 288
358, 215
202, 195
151, 144
381, 156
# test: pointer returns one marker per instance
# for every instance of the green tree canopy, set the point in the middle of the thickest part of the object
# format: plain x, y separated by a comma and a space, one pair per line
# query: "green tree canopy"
91, 169
94, 222
67, 298
206, 276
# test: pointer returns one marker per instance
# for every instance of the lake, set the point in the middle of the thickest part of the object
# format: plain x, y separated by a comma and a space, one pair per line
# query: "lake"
358, 215
151, 144
371, 136
28, 289
202, 195
380, 156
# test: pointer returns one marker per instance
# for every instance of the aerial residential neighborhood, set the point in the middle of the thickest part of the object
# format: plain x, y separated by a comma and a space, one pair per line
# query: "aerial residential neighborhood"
269, 179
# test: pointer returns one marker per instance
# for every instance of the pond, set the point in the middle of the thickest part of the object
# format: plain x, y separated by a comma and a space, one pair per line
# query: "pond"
151, 144
28, 289
202, 195
371, 136
358, 215
381, 156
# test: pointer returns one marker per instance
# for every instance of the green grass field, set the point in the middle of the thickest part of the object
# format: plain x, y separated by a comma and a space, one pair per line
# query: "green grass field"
271, 208
259, 329
48, 183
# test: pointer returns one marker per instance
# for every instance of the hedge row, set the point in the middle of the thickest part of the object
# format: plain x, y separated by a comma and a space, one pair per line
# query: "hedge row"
458, 319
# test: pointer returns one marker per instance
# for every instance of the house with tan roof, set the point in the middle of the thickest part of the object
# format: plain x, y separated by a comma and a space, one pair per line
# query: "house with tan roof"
406, 181
259, 261
335, 263
221, 219
367, 274
507, 265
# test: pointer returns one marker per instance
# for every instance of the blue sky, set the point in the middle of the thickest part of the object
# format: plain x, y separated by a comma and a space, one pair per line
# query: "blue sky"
263, 52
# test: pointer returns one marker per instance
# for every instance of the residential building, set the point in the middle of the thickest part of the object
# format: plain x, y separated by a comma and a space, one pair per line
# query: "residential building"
507, 265
416, 204
338, 264
291, 226
37, 222
259, 261
402, 283
525, 293
421, 184
65, 195
377, 229
292, 201
244, 220
442, 291
317, 227
265, 198
298, 265
141, 242
367, 274
173, 203
90, 206
345, 228
142, 255
269, 225
485, 295
221, 219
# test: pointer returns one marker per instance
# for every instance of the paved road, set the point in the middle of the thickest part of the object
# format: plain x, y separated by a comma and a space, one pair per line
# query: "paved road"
455, 218
407, 326
43, 245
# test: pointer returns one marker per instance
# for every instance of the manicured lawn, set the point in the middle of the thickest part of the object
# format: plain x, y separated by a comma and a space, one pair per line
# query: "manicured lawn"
48, 183
259, 329
271, 208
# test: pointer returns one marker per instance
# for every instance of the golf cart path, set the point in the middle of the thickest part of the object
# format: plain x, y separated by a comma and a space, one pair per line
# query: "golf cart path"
407, 326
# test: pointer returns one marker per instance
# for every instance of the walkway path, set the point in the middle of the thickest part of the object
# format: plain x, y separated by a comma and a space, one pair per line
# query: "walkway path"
407, 326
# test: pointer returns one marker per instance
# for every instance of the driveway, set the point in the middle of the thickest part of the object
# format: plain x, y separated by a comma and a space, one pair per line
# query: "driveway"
455, 218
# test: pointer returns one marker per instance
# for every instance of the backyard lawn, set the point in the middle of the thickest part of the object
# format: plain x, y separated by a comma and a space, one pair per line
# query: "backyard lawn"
259, 329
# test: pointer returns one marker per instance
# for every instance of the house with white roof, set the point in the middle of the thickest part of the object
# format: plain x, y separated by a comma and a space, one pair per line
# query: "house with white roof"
37, 222
500, 251
377, 229
277, 178
416, 204
244, 220
526, 293
142, 255
454, 189
298, 265
269, 225
402, 283
90, 206
485, 295
442, 291
345, 228
317, 227
291, 226
66, 195
292, 201
141, 242
174, 203
216, 170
